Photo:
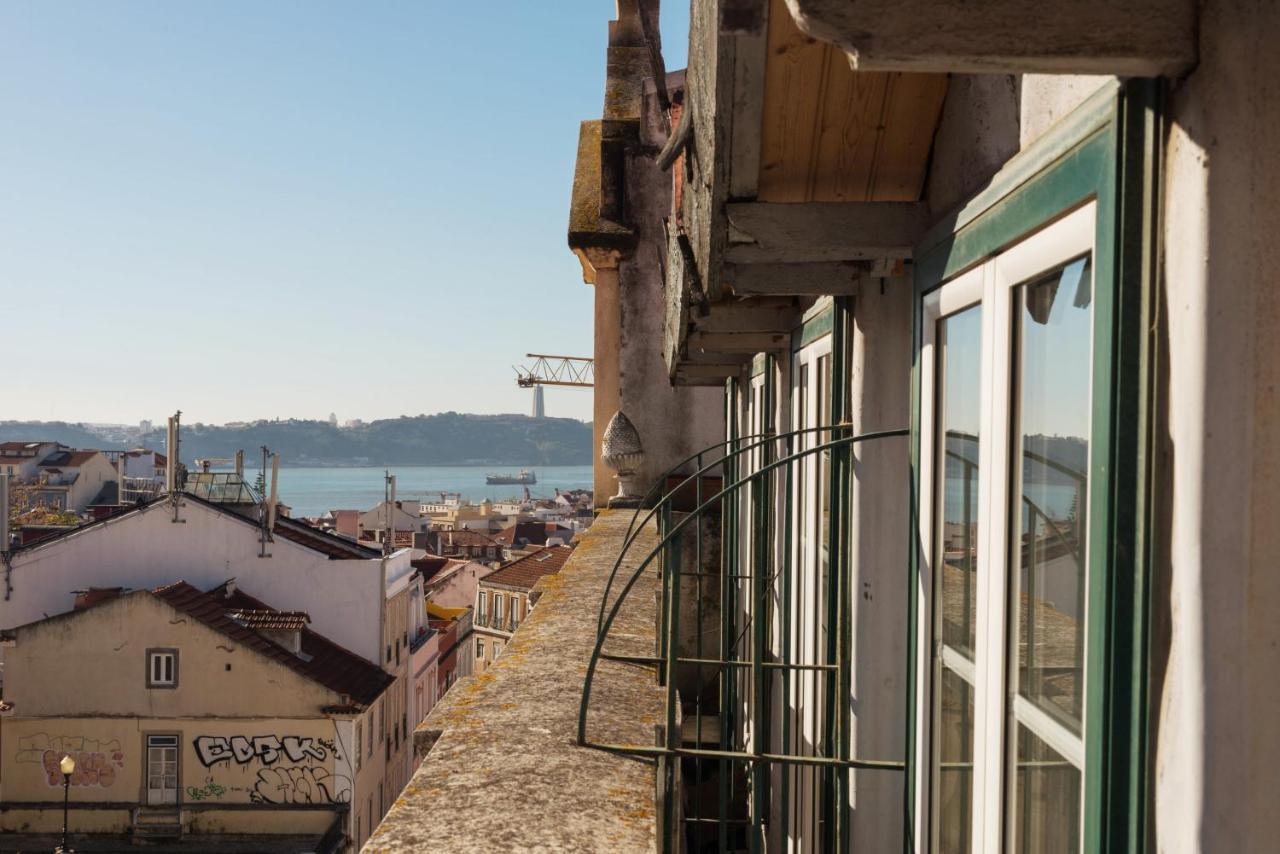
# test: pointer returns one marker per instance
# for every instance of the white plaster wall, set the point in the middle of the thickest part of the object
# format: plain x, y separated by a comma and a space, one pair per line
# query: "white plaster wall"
1218, 742
1046, 98
880, 398
977, 133
148, 549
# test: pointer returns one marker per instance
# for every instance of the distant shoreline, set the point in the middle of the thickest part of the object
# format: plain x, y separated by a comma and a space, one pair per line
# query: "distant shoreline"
286, 464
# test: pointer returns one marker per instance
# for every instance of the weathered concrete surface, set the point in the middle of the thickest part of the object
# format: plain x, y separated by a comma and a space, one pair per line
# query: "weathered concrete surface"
1130, 37
1217, 742
505, 773
978, 133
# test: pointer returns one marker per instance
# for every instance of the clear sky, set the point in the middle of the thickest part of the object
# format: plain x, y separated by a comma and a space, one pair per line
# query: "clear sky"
281, 209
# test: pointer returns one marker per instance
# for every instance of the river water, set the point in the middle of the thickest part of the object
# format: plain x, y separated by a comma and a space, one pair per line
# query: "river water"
312, 491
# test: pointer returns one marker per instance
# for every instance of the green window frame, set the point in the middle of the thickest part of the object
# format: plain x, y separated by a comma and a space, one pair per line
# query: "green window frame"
1106, 152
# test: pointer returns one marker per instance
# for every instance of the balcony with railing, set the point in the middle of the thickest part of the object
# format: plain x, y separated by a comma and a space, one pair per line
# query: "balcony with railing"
676, 687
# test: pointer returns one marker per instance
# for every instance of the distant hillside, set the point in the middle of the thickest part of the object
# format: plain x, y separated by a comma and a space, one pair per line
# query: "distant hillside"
450, 438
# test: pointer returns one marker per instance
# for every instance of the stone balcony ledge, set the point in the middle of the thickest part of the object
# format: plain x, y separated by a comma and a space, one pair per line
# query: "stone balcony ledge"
504, 771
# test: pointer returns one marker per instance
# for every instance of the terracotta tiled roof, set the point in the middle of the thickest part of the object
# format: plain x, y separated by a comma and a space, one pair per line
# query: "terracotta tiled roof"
337, 548
466, 537
323, 661
258, 618
533, 533
331, 664
403, 539
524, 572
429, 565
69, 459
22, 446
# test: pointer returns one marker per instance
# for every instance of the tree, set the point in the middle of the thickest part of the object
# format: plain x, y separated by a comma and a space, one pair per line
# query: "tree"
26, 508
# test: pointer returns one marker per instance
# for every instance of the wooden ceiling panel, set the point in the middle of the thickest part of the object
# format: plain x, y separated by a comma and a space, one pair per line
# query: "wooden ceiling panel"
913, 107
831, 134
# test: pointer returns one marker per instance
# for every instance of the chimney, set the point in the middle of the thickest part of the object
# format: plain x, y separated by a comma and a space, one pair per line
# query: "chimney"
94, 595
240, 464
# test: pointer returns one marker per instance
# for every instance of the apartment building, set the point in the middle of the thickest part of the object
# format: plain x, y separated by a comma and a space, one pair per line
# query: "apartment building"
47, 474
204, 718
505, 597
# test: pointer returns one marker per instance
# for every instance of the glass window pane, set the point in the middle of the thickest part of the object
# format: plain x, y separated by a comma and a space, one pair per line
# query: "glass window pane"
959, 374
1046, 809
960, 347
1048, 554
1047, 557
955, 770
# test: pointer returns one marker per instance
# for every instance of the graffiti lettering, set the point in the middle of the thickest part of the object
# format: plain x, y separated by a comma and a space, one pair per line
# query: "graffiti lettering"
206, 792
268, 749
300, 786
98, 763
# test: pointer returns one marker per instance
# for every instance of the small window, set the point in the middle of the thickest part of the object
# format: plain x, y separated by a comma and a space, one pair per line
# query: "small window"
369, 747
359, 738
162, 668
479, 648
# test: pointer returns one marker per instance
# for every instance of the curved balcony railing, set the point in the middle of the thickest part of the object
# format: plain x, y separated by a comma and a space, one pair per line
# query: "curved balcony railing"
720, 726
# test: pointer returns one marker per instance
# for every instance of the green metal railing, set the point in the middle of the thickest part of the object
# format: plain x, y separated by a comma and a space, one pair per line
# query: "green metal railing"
760, 773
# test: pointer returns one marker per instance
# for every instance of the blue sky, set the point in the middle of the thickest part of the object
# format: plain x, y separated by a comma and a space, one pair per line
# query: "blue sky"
255, 210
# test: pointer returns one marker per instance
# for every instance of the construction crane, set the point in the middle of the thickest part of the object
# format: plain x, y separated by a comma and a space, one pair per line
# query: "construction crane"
553, 370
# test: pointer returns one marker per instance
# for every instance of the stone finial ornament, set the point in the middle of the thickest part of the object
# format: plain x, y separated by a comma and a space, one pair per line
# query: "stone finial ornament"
620, 450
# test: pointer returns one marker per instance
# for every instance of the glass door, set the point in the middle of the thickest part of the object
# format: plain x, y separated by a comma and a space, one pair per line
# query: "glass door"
955, 462
1047, 284
1007, 362
810, 689
162, 770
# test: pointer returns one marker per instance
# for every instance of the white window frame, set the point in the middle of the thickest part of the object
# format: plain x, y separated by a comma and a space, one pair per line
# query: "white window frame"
157, 657
806, 412
992, 284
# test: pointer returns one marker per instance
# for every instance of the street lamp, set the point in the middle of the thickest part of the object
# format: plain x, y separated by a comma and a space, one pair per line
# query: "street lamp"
68, 767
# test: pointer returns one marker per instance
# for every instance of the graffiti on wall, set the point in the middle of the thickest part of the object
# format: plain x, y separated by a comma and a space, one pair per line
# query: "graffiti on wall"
295, 769
98, 763
209, 791
267, 749
300, 785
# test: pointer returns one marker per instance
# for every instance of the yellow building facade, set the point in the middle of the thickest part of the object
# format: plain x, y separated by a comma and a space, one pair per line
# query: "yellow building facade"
188, 713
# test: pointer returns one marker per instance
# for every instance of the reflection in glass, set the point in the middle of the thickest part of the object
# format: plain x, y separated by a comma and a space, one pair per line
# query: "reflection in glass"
955, 764
960, 343
956, 554
1046, 818
1047, 558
